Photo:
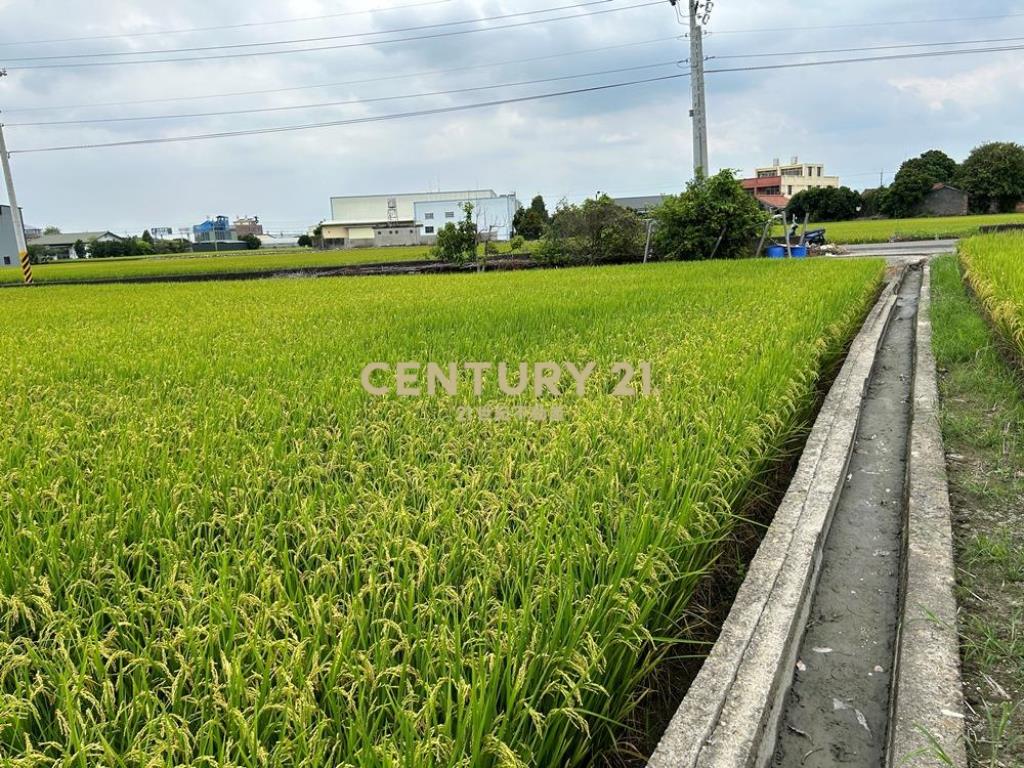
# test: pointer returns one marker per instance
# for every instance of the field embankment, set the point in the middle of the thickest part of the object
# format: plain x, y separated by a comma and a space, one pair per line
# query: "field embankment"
217, 547
238, 262
883, 230
983, 431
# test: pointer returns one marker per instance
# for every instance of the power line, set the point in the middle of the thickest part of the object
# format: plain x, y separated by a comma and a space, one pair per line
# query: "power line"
324, 38
908, 22
221, 27
402, 76
498, 102
864, 48
352, 121
861, 59
348, 102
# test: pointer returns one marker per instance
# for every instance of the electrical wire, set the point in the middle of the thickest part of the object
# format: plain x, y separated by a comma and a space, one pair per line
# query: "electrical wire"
352, 121
319, 39
257, 110
402, 76
891, 23
348, 102
864, 48
862, 59
222, 27
498, 102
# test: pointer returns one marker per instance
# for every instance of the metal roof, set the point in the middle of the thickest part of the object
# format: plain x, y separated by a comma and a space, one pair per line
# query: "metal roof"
70, 238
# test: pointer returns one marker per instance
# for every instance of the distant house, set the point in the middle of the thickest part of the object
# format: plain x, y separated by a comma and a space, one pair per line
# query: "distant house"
247, 225
772, 203
62, 246
943, 200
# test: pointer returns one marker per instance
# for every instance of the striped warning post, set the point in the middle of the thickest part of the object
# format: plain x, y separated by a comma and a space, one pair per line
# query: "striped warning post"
26, 268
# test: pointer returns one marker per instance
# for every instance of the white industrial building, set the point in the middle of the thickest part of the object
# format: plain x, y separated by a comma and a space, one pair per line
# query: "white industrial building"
8, 239
414, 218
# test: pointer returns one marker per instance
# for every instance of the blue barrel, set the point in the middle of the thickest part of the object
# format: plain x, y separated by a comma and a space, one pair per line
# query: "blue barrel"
798, 251
775, 252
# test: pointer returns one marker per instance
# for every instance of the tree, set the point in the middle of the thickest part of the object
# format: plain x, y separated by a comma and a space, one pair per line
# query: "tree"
915, 180
305, 241
537, 206
516, 244
596, 232
456, 243
938, 165
993, 176
51, 231
530, 222
80, 249
873, 201
825, 204
147, 237
37, 254
252, 242
714, 218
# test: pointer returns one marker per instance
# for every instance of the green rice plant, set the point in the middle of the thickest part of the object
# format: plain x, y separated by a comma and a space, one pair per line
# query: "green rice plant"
217, 549
212, 264
994, 268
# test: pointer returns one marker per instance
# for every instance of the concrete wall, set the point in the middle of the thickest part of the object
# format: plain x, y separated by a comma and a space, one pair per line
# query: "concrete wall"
396, 234
944, 202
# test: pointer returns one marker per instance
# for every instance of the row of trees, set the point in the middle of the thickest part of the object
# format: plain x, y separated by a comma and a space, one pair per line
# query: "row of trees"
713, 218
992, 176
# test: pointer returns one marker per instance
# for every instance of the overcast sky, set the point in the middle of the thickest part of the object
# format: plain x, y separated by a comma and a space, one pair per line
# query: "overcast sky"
857, 118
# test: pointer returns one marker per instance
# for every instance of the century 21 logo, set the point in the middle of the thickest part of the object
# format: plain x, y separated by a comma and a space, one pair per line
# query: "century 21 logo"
411, 379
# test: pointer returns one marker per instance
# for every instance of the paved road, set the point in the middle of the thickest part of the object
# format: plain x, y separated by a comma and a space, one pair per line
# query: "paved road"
898, 253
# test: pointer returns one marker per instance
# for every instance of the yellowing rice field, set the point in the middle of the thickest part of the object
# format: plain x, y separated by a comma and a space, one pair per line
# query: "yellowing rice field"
217, 549
994, 268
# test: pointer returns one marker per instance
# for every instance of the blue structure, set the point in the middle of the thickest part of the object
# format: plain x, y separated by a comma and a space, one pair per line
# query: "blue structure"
214, 231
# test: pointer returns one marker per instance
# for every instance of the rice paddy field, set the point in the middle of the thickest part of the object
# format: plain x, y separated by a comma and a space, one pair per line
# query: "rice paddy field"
211, 264
218, 549
884, 230
994, 268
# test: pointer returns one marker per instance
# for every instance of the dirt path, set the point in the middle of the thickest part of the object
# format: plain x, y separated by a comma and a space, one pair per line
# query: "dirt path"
837, 709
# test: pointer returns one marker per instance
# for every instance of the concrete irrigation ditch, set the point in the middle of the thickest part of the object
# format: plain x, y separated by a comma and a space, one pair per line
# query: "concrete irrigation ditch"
841, 645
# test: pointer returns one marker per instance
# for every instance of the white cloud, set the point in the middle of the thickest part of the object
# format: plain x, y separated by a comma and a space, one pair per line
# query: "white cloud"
624, 141
991, 84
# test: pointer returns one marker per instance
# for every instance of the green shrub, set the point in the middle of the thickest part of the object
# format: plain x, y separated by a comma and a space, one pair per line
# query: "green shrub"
596, 232
714, 218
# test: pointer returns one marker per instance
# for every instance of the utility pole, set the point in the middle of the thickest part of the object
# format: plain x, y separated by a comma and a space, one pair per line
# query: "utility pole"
700, 11
19, 226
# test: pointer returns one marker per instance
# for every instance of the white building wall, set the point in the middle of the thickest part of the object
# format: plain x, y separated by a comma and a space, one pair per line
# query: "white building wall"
492, 214
8, 239
374, 209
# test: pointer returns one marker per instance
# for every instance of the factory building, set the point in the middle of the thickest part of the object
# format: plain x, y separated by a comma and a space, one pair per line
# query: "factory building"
218, 230
8, 239
493, 216
366, 221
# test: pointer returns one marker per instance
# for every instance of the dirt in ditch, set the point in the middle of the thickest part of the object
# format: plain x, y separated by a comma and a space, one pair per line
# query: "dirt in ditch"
837, 710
